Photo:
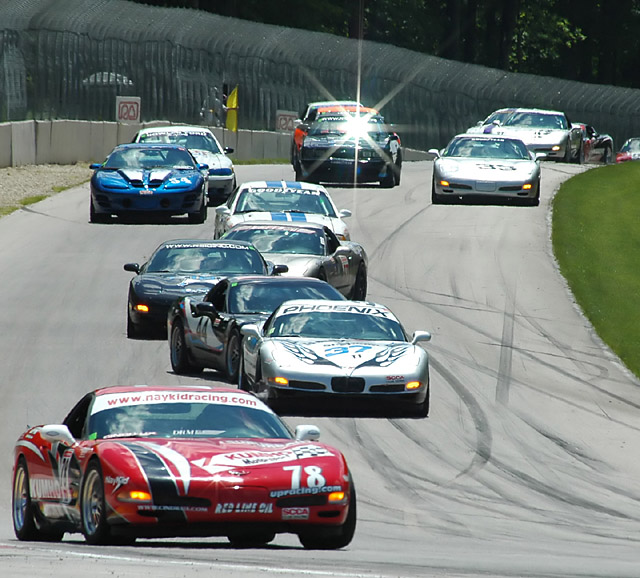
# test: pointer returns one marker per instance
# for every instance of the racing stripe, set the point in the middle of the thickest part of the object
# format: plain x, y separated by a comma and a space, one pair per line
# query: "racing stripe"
279, 217
298, 216
164, 490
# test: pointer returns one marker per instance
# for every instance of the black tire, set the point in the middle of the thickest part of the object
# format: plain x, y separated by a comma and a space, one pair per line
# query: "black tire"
232, 356
132, 329
178, 351
93, 508
333, 538
95, 217
422, 409
397, 172
243, 381
359, 291
251, 540
22, 510
201, 215
436, 199
607, 157
389, 180
322, 275
298, 171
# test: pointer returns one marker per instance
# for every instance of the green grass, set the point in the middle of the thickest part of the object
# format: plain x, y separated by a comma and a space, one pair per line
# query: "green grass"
596, 240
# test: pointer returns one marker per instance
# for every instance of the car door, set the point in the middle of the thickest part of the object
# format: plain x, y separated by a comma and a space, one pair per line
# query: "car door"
212, 327
338, 263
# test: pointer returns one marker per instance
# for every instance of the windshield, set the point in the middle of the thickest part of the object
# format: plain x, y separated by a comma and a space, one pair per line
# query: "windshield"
285, 241
183, 420
335, 325
218, 259
284, 201
350, 127
150, 158
494, 148
631, 146
191, 140
267, 297
537, 120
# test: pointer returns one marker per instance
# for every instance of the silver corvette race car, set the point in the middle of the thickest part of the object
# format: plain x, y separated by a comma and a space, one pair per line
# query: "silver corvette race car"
348, 349
486, 165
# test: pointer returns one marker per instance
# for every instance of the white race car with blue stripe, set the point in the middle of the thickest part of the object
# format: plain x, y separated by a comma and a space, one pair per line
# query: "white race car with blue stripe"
281, 201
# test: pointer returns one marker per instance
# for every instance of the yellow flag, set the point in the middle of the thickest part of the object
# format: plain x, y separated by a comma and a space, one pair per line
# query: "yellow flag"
232, 110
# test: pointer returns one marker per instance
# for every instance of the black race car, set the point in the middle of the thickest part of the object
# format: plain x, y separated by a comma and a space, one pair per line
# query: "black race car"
185, 267
350, 148
205, 331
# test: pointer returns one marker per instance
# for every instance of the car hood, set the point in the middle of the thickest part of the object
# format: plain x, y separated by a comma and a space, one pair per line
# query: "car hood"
486, 169
528, 135
328, 140
167, 179
345, 354
298, 264
213, 160
191, 459
174, 284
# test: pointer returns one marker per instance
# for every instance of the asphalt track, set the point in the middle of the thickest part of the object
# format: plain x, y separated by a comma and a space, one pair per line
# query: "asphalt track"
528, 465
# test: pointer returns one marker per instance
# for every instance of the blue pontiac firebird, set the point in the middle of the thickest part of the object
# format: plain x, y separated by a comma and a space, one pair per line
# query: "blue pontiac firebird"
148, 180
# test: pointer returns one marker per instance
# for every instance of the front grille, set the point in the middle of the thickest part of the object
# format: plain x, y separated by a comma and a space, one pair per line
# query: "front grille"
348, 384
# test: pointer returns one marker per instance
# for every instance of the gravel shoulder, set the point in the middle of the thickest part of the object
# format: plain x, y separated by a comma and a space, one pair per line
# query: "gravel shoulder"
19, 184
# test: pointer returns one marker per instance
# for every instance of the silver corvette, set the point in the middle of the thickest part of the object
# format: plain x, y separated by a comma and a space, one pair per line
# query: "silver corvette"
346, 349
486, 165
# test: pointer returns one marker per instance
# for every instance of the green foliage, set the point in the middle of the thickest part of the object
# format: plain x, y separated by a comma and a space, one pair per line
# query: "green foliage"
585, 40
596, 239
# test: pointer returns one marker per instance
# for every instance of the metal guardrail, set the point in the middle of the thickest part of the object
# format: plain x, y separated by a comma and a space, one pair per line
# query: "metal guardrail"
70, 58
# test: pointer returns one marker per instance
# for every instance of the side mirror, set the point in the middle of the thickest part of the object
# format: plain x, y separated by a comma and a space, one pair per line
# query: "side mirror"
132, 267
95, 166
541, 156
203, 167
420, 336
251, 330
279, 269
57, 433
228, 150
223, 210
345, 213
204, 308
434, 152
307, 433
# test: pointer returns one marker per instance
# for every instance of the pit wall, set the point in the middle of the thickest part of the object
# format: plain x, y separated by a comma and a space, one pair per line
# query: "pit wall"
67, 142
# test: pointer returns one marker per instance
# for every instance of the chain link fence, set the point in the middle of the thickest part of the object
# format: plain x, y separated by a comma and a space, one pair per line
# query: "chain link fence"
71, 58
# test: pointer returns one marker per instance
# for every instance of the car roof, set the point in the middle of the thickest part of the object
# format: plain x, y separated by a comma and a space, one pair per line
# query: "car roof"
538, 110
348, 108
485, 136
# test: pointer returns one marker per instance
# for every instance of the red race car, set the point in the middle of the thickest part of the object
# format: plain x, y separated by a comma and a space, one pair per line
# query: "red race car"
146, 461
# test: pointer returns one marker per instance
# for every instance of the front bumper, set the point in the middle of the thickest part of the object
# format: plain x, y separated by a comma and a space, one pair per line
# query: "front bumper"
165, 203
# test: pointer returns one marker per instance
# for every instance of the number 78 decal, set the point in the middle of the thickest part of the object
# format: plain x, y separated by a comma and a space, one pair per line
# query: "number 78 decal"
314, 477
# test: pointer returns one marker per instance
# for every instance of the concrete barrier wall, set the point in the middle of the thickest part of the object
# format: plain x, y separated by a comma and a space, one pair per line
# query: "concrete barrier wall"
67, 142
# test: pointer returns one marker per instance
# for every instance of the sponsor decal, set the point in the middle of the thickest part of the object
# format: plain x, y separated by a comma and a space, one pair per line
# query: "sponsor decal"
304, 491
112, 400
206, 246
158, 508
329, 307
395, 378
244, 508
295, 513
223, 462
49, 489
117, 482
